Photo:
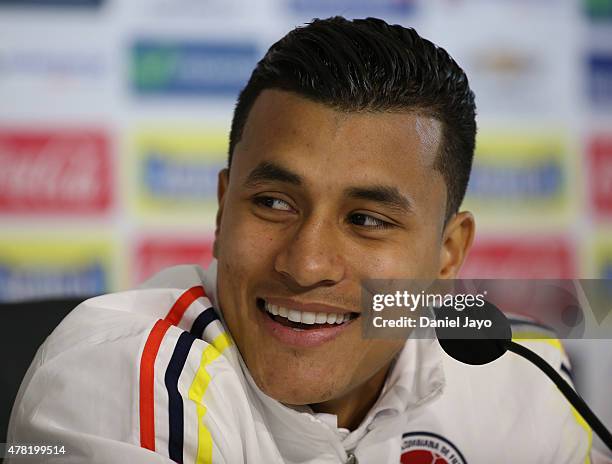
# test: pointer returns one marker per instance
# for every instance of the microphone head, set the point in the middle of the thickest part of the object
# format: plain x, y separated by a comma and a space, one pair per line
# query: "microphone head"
472, 343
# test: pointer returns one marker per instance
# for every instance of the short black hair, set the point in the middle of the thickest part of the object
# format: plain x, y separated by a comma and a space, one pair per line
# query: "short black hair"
369, 65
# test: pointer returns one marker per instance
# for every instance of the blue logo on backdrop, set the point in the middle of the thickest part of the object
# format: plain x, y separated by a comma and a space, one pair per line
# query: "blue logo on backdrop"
47, 63
600, 79
352, 8
27, 283
164, 177
542, 181
191, 68
88, 3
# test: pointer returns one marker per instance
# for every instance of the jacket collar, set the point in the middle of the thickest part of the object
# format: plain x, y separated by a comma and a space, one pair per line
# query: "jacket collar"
416, 377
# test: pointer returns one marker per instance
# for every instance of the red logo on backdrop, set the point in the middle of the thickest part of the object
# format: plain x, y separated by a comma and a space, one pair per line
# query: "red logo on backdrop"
155, 254
429, 448
54, 172
600, 162
521, 258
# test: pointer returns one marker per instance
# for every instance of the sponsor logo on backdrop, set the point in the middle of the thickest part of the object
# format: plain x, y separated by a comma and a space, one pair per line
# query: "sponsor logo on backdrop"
503, 62
520, 3
17, 284
191, 68
602, 250
510, 71
518, 175
181, 179
598, 10
539, 257
60, 172
352, 8
75, 3
429, 448
155, 254
600, 175
512, 78
176, 171
600, 79
45, 268
54, 65
200, 9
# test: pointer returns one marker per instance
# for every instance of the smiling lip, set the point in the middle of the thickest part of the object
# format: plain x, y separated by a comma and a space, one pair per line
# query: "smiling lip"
307, 338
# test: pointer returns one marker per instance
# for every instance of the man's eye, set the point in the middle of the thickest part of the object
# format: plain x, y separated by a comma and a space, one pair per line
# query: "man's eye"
365, 220
273, 203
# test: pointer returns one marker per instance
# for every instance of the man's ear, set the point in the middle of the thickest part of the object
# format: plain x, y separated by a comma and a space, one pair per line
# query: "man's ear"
456, 243
222, 184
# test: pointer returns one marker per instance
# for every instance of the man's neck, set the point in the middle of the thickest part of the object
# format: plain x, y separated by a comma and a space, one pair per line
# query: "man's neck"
352, 408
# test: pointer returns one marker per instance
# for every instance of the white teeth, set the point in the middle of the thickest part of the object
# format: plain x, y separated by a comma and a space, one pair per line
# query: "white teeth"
307, 317
294, 315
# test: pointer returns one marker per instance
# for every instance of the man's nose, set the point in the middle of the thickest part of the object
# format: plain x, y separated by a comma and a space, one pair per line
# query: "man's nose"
312, 255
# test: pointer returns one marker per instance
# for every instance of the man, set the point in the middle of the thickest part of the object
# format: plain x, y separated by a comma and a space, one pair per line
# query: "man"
350, 152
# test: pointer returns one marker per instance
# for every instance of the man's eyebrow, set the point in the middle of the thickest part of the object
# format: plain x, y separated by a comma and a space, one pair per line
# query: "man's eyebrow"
267, 171
389, 196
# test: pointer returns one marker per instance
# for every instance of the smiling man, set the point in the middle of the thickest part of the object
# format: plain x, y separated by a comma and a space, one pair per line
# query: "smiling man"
350, 153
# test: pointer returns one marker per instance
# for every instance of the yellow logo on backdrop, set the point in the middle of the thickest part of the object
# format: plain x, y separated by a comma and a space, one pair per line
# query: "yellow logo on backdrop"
524, 177
174, 173
55, 267
602, 256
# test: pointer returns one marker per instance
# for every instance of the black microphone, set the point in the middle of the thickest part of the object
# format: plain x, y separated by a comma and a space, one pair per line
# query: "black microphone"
486, 344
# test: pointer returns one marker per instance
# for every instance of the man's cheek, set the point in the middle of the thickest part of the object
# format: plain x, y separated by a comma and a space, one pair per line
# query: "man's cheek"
241, 259
257, 243
393, 264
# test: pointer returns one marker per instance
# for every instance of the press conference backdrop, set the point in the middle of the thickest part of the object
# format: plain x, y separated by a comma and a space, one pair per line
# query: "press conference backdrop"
114, 117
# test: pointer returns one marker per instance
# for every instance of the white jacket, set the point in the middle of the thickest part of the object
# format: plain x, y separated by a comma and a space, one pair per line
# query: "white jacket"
152, 376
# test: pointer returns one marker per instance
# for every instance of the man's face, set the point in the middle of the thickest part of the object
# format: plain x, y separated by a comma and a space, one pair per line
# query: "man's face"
317, 201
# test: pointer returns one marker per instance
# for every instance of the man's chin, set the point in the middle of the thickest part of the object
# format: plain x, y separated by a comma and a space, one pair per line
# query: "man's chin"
301, 399
298, 393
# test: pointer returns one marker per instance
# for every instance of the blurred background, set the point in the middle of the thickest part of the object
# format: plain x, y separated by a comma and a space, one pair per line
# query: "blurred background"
114, 117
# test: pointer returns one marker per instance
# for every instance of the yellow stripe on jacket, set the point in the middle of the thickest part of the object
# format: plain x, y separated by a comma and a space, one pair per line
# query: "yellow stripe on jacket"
197, 391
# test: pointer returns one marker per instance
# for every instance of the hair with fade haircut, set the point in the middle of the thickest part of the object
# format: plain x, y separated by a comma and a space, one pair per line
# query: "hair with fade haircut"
369, 65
